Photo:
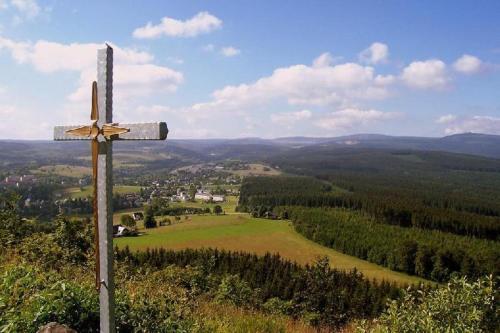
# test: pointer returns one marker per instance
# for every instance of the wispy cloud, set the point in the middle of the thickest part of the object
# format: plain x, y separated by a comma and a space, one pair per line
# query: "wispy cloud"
446, 119
290, 118
375, 54
28, 8
230, 51
470, 124
201, 23
353, 118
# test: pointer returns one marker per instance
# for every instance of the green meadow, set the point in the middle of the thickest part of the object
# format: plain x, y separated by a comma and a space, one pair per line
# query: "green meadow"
86, 191
240, 232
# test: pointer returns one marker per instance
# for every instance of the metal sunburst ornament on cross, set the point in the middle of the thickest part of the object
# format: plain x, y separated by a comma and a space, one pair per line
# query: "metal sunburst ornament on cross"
93, 130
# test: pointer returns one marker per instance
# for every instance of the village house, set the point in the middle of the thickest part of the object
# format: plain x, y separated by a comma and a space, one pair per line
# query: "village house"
138, 216
218, 198
18, 180
203, 195
180, 196
121, 231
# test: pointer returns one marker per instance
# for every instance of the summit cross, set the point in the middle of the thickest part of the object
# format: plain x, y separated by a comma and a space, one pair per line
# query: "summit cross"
102, 132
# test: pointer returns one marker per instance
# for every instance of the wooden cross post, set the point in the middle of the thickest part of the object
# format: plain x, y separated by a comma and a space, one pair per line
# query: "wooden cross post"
102, 132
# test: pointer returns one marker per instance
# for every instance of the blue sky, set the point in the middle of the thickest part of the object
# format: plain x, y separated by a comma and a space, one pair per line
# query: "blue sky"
265, 68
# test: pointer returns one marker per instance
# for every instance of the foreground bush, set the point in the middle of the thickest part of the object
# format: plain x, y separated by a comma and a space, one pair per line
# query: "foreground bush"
460, 306
31, 298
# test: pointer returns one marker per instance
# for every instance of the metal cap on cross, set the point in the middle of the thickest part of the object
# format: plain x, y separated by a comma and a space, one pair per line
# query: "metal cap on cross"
102, 132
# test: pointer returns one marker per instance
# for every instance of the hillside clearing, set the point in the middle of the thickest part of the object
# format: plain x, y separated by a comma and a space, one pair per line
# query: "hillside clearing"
238, 232
86, 191
255, 169
64, 170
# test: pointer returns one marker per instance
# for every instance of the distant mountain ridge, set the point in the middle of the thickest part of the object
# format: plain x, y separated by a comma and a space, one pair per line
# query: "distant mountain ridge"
258, 148
467, 143
487, 145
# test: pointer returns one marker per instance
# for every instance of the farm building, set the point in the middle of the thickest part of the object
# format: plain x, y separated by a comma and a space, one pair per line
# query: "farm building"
138, 216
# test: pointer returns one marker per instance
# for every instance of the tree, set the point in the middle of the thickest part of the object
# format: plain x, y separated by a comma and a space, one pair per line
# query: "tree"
407, 254
127, 220
150, 222
192, 192
149, 219
12, 227
423, 261
217, 209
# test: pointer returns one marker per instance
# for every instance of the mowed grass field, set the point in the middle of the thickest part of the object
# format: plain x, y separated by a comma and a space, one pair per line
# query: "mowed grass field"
64, 170
240, 232
86, 191
256, 169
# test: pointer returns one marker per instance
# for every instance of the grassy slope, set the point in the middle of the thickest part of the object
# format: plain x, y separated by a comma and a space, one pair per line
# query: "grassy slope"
64, 170
242, 233
76, 192
256, 169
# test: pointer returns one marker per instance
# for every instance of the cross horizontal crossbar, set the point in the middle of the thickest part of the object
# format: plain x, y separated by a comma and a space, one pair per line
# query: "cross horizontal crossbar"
143, 131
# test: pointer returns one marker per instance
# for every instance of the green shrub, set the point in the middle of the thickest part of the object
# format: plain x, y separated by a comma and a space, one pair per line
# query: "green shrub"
31, 297
127, 220
460, 306
42, 249
277, 306
12, 227
217, 209
234, 290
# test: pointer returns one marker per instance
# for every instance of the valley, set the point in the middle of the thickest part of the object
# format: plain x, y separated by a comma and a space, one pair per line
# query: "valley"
363, 215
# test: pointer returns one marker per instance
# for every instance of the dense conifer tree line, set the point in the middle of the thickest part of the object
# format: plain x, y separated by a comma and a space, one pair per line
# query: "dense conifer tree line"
334, 296
395, 207
430, 254
426, 236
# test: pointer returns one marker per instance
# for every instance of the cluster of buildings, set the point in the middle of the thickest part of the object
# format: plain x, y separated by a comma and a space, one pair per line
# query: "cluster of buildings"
180, 196
199, 195
207, 196
19, 180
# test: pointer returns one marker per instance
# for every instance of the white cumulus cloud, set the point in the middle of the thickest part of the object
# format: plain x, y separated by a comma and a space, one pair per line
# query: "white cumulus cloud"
230, 51
315, 88
29, 8
201, 23
324, 60
290, 118
353, 119
7, 110
375, 53
467, 64
446, 119
473, 124
134, 73
305, 85
428, 74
